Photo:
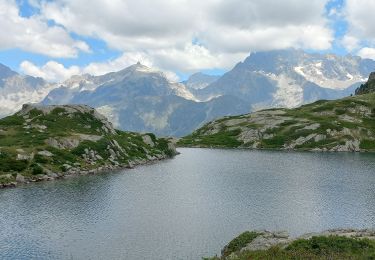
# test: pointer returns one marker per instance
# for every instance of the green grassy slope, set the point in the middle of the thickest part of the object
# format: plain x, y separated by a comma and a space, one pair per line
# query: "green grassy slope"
317, 247
341, 125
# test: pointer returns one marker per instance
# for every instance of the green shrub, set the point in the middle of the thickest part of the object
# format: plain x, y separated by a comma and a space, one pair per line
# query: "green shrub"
289, 122
58, 110
276, 142
329, 106
40, 159
163, 146
226, 139
239, 242
8, 163
35, 112
36, 169
367, 144
340, 111
62, 156
322, 246
12, 121
63, 168
99, 146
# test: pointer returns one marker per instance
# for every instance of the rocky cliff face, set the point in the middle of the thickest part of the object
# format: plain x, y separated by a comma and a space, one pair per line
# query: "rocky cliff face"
48, 142
368, 87
342, 125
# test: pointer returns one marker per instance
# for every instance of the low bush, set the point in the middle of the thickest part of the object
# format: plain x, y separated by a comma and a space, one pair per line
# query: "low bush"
333, 245
36, 169
367, 144
239, 242
9, 164
276, 142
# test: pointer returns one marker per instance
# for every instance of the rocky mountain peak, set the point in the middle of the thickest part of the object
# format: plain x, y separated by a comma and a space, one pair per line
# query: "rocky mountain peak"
138, 67
200, 80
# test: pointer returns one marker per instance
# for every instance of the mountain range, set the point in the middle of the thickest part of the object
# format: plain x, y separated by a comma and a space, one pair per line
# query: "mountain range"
16, 90
139, 98
289, 78
142, 99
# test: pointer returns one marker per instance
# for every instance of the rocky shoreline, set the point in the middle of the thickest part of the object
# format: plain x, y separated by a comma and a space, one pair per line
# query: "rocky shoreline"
19, 179
318, 150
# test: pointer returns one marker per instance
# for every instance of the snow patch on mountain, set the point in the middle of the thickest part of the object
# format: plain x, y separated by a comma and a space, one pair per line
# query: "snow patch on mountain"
80, 82
288, 93
209, 98
145, 69
314, 74
182, 91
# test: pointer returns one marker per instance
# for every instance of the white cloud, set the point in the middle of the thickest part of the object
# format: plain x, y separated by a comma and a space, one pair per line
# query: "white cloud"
350, 43
359, 15
238, 40
162, 31
33, 34
126, 25
180, 35
367, 53
56, 72
125, 60
191, 58
51, 71
268, 13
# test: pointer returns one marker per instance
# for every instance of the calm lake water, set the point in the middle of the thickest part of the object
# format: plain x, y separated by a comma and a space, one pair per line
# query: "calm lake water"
188, 207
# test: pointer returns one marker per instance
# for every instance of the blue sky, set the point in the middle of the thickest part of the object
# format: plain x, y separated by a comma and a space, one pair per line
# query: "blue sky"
56, 39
